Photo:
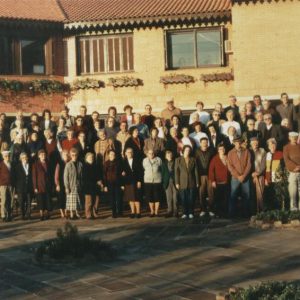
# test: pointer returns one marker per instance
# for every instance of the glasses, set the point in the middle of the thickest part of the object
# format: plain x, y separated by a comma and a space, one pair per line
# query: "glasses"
267, 118
250, 123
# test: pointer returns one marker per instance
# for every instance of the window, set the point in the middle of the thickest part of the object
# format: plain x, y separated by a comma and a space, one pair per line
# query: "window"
32, 56
194, 48
105, 54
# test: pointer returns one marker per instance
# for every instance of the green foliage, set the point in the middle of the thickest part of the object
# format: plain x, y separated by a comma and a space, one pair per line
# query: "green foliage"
70, 246
269, 291
278, 215
281, 186
44, 86
87, 83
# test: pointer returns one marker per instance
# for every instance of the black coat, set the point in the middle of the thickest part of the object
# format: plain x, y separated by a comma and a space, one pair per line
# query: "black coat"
132, 176
220, 138
167, 174
22, 183
171, 145
91, 174
82, 151
138, 152
274, 132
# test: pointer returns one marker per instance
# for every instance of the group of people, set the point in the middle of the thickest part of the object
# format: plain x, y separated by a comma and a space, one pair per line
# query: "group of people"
226, 161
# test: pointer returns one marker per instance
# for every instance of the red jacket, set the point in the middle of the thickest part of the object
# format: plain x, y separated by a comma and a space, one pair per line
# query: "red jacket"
40, 177
5, 174
218, 172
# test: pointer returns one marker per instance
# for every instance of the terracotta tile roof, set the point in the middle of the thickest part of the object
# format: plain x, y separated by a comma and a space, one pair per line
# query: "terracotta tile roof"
102, 10
32, 10
109, 10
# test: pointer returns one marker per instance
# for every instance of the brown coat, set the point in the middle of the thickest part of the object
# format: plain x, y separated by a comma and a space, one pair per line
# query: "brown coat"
186, 177
239, 166
5, 174
291, 155
40, 177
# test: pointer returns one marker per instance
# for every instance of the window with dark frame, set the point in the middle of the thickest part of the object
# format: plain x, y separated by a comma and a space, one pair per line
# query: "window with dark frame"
22, 56
194, 48
105, 54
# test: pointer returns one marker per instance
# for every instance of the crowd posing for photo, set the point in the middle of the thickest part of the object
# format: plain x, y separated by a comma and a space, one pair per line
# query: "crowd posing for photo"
226, 163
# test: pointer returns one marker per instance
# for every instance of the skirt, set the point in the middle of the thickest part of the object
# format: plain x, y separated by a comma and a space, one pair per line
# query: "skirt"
131, 193
73, 200
153, 192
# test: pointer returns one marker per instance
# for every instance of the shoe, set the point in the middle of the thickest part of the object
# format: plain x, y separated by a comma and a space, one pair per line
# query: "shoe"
138, 216
42, 218
168, 215
184, 217
176, 215
191, 216
202, 214
211, 214
156, 215
114, 216
132, 216
152, 215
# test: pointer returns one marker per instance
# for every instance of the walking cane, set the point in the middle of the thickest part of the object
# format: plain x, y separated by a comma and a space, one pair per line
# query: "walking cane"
260, 189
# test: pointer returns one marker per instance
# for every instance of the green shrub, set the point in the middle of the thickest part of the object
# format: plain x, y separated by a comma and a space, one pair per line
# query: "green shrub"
269, 291
70, 246
278, 215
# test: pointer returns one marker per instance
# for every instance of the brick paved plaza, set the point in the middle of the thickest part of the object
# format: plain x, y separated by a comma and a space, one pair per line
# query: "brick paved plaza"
158, 259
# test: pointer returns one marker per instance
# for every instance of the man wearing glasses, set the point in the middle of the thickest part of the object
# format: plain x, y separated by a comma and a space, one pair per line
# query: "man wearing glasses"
270, 130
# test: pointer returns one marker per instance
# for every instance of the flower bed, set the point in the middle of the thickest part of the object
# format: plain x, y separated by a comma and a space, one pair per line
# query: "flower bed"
276, 219
279, 290
124, 81
43, 86
87, 84
69, 246
176, 78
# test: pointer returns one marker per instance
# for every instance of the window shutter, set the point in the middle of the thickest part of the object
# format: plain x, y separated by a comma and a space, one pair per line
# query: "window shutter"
81, 56
117, 54
110, 50
16, 57
87, 56
95, 56
101, 56
130, 53
125, 53
49, 51
58, 61
66, 65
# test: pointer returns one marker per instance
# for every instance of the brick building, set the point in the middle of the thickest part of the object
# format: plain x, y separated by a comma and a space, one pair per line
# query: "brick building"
114, 52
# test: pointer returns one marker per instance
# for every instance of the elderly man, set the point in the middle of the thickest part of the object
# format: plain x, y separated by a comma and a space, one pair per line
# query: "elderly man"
291, 155
204, 116
6, 187
170, 111
258, 156
232, 106
229, 123
269, 130
239, 165
286, 110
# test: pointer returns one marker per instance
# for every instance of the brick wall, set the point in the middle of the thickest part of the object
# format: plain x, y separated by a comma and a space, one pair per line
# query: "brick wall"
149, 65
266, 45
11, 102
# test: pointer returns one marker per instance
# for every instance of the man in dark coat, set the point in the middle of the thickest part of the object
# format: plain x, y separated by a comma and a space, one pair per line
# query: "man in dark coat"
23, 185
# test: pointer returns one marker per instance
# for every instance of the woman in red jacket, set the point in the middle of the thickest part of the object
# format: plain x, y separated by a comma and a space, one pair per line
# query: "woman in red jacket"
42, 184
219, 176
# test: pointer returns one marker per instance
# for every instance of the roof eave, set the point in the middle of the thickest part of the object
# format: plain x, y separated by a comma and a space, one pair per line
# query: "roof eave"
213, 17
